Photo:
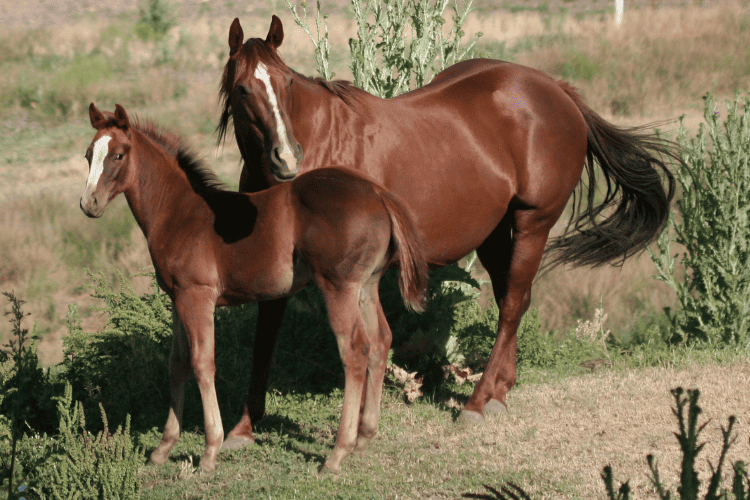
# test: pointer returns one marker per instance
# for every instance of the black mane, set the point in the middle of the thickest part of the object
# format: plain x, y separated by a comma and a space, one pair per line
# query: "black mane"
200, 176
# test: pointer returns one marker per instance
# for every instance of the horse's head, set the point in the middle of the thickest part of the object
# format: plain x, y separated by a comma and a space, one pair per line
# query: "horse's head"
256, 89
109, 160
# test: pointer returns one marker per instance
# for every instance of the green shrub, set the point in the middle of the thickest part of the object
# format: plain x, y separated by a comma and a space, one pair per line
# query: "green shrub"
85, 466
125, 366
25, 399
714, 228
155, 17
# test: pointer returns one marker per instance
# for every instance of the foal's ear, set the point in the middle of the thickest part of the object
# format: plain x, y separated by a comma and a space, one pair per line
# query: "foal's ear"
96, 117
236, 36
275, 33
121, 117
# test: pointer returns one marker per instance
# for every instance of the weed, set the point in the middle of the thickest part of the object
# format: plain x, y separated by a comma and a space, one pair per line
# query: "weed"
713, 227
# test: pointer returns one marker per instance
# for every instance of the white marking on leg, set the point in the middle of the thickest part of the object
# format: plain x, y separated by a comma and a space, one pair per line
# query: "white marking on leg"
101, 150
261, 73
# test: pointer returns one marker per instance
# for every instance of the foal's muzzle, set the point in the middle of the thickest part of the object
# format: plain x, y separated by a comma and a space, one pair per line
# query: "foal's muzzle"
91, 206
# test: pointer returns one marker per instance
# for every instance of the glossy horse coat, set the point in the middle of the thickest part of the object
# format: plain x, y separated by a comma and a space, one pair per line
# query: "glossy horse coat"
210, 247
487, 156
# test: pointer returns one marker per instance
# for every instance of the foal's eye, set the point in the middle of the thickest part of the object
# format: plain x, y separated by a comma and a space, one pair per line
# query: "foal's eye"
118, 157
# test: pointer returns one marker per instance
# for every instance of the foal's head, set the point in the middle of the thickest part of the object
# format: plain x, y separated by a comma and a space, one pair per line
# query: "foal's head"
109, 158
256, 91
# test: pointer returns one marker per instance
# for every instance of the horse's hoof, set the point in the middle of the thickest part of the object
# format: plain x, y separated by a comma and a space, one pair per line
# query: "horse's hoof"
327, 469
495, 406
207, 466
469, 417
236, 442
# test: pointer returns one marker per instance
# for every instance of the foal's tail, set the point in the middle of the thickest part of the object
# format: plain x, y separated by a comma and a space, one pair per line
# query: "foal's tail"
634, 171
413, 270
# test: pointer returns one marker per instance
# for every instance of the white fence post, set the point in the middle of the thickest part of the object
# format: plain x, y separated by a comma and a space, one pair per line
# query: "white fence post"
619, 7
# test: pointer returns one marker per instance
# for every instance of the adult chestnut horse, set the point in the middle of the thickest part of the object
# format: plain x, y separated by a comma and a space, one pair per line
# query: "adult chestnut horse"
487, 156
213, 247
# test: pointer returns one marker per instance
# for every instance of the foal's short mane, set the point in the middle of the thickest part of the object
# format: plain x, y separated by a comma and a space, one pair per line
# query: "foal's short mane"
200, 176
255, 50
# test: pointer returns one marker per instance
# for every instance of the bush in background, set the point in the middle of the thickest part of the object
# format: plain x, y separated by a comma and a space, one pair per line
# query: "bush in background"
714, 228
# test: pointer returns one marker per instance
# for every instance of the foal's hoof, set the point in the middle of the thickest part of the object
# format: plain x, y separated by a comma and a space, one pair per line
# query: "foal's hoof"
236, 442
495, 406
469, 417
327, 469
158, 458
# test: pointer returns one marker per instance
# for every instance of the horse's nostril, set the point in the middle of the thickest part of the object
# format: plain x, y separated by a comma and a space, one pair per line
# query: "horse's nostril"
276, 157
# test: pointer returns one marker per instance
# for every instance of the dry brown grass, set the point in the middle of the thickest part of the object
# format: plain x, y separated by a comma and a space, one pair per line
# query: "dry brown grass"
557, 436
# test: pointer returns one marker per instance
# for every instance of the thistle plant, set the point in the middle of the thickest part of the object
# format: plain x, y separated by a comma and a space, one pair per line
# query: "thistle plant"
714, 228
322, 47
401, 49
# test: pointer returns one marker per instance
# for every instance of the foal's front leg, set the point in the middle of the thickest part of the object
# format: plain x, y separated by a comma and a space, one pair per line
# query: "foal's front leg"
179, 370
195, 307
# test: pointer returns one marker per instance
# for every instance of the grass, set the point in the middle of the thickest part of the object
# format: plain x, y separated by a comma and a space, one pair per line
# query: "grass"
559, 432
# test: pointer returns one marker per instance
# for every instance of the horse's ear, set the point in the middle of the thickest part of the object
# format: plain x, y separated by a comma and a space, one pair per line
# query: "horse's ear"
236, 36
121, 117
275, 33
96, 117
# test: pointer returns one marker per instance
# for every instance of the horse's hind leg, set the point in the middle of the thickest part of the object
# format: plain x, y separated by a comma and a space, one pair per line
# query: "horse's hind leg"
270, 314
511, 255
380, 342
179, 371
342, 303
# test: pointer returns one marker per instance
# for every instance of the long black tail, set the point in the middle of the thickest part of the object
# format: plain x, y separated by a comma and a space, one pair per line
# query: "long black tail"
632, 162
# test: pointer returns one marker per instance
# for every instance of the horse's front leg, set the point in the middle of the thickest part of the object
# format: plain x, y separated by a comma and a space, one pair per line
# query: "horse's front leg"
179, 370
195, 307
346, 320
270, 315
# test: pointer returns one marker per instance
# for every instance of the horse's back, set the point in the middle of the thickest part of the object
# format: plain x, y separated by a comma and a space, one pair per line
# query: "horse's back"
342, 223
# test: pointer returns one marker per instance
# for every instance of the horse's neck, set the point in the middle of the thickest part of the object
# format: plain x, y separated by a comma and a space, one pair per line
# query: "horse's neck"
320, 117
159, 187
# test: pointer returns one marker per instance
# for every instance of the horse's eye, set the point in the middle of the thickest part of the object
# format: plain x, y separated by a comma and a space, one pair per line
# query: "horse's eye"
118, 157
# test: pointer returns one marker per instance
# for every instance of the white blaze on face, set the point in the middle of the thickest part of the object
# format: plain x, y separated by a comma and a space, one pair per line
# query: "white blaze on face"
261, 73
101, 149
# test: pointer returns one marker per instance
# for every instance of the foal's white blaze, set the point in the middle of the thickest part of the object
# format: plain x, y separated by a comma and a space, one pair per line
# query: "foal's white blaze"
261, 73
101, 149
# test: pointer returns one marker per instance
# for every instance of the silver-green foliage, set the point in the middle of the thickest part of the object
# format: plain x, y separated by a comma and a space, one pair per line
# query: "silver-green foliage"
404, 46
714, 228
400, 44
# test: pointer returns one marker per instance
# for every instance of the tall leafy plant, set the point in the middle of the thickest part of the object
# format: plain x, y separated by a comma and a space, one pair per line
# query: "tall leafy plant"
713, 226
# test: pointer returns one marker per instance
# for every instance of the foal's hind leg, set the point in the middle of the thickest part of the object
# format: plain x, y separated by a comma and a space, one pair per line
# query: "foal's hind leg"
512, 258
270, 314
380, 342
342, 303
179, 371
